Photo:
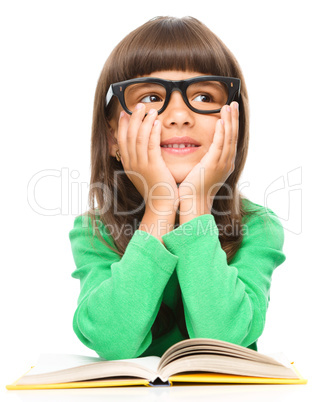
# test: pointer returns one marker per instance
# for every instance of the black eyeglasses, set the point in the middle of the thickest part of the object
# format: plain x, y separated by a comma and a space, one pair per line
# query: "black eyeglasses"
204, 94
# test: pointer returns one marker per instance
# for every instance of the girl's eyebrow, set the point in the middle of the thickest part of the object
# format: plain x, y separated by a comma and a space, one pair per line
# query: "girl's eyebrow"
137, 86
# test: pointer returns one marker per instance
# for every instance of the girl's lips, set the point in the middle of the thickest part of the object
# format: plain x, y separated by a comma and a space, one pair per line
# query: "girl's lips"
180, 151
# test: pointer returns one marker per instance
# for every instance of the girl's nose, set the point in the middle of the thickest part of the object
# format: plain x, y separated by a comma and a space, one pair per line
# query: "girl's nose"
177, 112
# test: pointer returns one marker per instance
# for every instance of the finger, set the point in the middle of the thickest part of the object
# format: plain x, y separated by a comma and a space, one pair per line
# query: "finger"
122, 137
143, 137
218, 140
235, 129
135, 122
154, 142
227, 115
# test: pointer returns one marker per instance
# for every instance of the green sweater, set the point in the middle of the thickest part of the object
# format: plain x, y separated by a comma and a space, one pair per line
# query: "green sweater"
120, 297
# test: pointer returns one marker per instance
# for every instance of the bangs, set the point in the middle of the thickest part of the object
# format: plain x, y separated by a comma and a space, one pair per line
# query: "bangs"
170, 44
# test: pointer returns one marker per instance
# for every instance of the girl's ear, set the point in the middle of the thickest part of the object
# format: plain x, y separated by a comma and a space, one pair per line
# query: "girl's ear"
112, 138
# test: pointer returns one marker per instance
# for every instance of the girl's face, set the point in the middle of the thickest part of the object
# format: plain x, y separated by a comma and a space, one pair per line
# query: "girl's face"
177, 120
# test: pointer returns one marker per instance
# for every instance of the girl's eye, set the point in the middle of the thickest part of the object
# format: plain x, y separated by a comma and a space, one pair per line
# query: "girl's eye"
151, 98
203, 98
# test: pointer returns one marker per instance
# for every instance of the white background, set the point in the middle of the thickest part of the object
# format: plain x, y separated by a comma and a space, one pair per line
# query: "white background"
52, 53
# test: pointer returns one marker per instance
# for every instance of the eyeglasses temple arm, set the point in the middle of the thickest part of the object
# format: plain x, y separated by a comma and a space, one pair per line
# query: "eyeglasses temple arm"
109, 95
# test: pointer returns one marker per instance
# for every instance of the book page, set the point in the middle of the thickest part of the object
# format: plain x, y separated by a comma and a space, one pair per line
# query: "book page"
225, 365
201, 345
281, 358
50, 362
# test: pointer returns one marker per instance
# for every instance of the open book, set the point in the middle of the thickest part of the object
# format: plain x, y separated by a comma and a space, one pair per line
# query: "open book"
197, 360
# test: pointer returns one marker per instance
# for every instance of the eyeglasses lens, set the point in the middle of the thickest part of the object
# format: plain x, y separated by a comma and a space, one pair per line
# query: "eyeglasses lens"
203, 95
151, 94
207, 95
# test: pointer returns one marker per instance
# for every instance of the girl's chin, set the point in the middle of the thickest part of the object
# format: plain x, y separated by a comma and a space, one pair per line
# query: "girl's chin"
179, 172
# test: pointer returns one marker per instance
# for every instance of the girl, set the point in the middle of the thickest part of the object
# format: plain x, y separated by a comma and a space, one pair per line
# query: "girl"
178, 252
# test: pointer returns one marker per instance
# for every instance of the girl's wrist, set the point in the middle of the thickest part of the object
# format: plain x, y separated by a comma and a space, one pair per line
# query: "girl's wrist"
158, 223
195, 206
162, 207
192, 208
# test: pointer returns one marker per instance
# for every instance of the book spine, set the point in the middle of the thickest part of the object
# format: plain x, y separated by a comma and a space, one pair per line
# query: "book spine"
159, 383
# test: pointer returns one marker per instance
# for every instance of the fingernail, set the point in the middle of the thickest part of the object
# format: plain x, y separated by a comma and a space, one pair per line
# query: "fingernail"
151, 111
236, 105
228, 109
122, 114
139, 106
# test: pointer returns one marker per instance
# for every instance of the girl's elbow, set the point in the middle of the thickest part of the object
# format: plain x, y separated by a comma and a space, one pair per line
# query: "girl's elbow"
112, 352
111, 345
122, 347
241, 329
244, 334
254, 330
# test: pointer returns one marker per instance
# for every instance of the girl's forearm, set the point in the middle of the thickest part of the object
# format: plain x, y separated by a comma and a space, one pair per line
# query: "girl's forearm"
222, 300
120, 297
192, 208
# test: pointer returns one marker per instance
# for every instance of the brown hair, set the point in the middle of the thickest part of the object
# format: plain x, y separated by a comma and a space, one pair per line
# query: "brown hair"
163, 43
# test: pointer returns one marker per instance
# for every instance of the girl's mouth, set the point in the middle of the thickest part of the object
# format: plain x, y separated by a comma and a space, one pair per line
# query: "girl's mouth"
180, 149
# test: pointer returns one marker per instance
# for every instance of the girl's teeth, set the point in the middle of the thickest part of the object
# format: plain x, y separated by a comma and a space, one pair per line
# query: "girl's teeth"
178, 146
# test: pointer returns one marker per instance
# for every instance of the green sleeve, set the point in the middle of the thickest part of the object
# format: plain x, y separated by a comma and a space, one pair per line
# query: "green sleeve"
226, 301
119, 297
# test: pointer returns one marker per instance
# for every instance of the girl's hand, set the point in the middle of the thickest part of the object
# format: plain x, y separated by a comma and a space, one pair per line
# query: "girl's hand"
208, 176
139, 145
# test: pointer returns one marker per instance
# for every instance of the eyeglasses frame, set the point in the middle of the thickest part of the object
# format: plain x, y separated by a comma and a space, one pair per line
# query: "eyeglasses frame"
118, 88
